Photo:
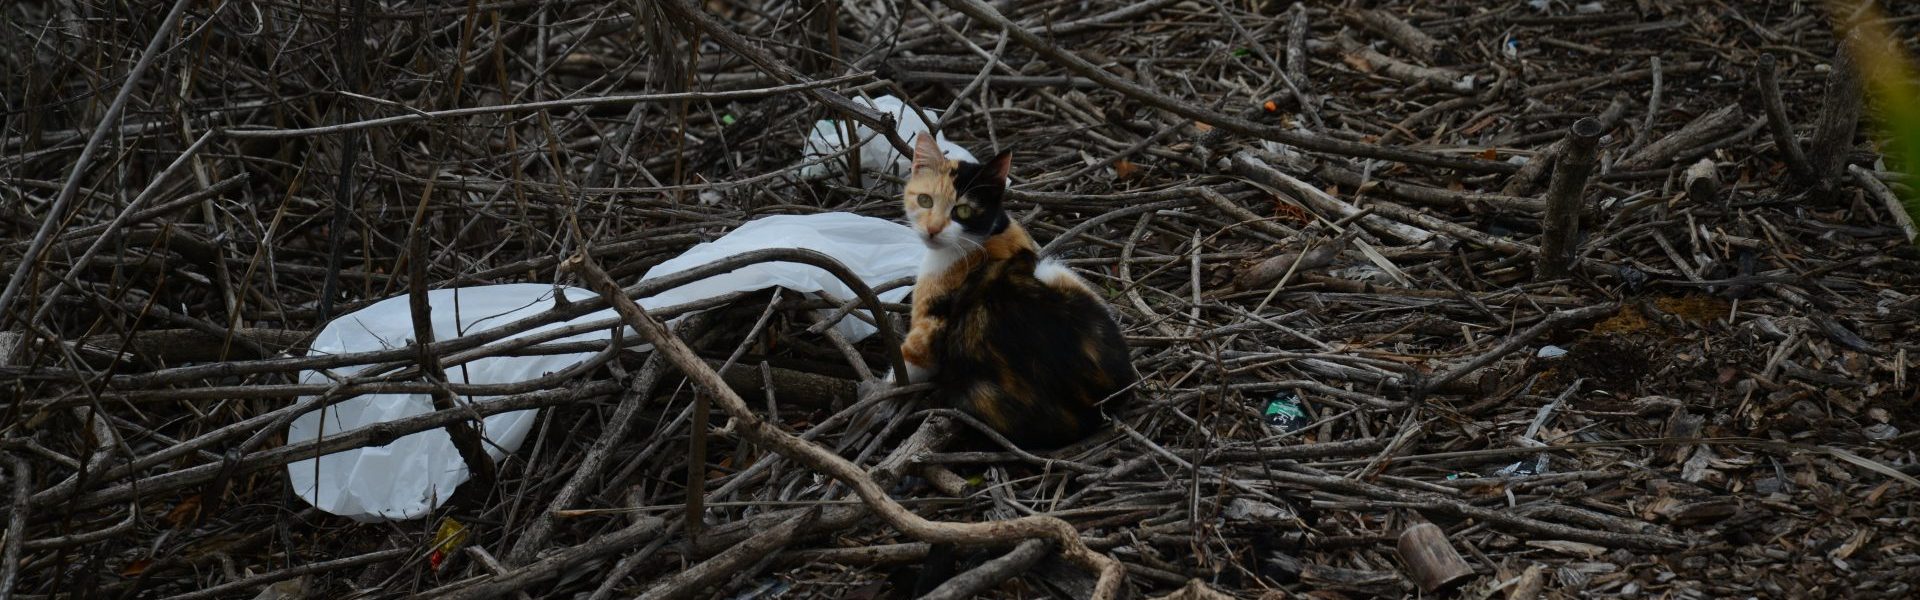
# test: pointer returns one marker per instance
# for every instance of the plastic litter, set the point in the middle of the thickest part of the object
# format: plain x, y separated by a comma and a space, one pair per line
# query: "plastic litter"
406, 478
1551, 351
1283, 413
876, 250
409, 477
1525, 468
765, 588
1881, 432
877, 155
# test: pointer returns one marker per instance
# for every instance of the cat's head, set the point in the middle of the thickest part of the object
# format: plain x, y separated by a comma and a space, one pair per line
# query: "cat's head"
954, 202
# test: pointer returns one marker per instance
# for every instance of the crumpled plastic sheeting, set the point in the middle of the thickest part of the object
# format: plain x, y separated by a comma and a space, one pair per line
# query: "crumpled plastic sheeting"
876, 250
877, 155
411, 476
407, 478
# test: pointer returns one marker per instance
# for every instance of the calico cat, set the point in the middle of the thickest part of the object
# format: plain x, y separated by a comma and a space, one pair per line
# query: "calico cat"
1019, 342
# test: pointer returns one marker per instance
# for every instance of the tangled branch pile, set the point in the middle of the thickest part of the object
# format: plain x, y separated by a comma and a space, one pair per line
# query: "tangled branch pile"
1666, 351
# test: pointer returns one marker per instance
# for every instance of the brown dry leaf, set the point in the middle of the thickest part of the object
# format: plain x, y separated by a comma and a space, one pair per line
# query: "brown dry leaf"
1288, 211
1853, 544
1489, 154
135, 568
1873, 497
184, 512
1125, 169
1358, 63
1658, 506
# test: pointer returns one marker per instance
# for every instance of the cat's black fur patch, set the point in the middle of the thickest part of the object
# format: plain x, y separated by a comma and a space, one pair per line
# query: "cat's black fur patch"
977, 183
1033, 336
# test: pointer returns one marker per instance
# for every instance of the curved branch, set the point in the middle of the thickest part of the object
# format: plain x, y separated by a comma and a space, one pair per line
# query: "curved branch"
762, 433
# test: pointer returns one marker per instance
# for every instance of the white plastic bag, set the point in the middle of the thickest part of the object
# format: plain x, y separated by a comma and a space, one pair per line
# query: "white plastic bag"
877, 155
409, 477
876, 250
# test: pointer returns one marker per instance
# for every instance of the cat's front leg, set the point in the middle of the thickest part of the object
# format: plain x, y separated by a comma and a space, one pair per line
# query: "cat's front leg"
917, 352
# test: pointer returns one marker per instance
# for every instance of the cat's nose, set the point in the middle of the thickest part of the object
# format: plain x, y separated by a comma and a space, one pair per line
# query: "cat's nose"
933, 230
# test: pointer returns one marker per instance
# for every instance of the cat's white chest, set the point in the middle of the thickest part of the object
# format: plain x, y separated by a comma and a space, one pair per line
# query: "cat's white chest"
939, 260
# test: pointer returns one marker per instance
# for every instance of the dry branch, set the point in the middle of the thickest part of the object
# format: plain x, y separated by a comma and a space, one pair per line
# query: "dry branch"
1784, 138
763, 433
1696, 133
1839, 117
984, 13
155, 350
1564, 199
56, 214
1402, 34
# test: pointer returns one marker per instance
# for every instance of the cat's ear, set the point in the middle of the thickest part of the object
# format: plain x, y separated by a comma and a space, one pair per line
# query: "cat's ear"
926, 151
1000, 166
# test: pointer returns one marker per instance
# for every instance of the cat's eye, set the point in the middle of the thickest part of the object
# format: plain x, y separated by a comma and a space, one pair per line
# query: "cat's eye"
963, 211
925, 201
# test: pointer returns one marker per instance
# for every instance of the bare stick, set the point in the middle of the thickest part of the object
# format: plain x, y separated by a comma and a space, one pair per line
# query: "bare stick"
22, 474
119, 221
1839, 118
1246, 164
1515, 341
693, 14
1698, 132
1784, 138
553, 565
352, 45
377, 434
541, 529
265, 579
690, 582
1403, 34
1398, 69
1522, 182
1297, 47
981, 11
526, 107
762, 433
1564, 193
1644, 133
465, 436
56, 215
1885, 195
977, 581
